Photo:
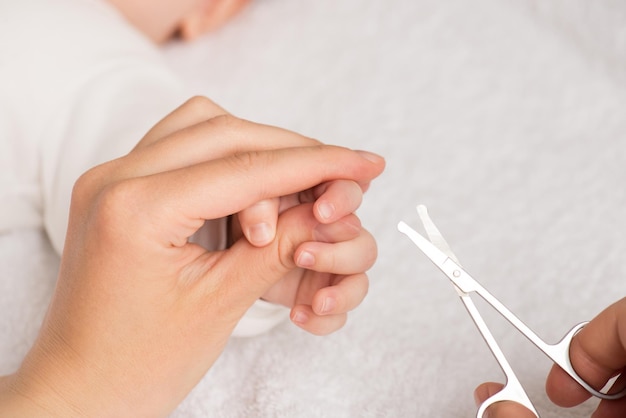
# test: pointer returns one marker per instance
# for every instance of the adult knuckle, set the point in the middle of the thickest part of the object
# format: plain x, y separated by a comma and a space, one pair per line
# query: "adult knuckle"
198, 104
319, 147
243, 161
115, 208
227, 122
250, 162
90, 183
116, 196
230, 128
84, 185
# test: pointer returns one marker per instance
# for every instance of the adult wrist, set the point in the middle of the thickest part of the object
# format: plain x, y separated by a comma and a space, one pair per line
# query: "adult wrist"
17, 403
52, 383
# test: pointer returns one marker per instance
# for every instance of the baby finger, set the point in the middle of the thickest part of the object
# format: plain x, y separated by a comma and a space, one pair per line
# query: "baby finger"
337, 199
346, 257
305, 318
343, 296
258, 222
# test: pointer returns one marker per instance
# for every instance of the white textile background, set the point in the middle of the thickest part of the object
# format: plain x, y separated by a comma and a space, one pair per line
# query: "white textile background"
506, 118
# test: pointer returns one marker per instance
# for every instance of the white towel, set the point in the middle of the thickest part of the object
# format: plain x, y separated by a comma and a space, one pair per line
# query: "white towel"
505, 118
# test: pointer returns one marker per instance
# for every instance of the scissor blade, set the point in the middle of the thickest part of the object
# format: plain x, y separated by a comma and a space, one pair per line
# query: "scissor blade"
433, 233
435, 254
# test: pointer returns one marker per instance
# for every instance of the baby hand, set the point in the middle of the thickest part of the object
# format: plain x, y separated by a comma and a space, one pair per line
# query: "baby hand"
330, 279
331, 201
139, 313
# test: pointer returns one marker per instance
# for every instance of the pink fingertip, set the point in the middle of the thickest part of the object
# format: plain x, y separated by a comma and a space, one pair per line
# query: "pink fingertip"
326, 210
260, 234
300, 317
370, 156
328, 305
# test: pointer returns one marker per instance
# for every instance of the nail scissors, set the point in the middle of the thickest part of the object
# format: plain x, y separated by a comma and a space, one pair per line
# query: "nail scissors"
440, 254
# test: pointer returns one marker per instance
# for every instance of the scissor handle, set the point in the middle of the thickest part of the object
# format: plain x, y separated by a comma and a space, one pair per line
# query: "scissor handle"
511, 392
559, 354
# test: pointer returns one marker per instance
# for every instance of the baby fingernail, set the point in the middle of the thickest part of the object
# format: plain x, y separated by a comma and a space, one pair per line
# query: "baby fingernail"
326, 210
306, 259
328, 305
300, 317
260, 233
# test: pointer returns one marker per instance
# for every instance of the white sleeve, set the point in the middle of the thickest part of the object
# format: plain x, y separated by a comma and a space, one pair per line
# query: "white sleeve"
260, 318
112, 113
104, 120
83, 87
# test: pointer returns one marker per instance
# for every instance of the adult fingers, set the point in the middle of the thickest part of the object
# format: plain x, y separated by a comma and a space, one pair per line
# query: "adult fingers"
563, 390
218, 137
210, 139
486, 390
597, 353
499, 409
612, 408
193, 111
181, 198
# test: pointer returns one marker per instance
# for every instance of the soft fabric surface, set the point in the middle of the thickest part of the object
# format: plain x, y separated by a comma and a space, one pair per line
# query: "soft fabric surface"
506, 118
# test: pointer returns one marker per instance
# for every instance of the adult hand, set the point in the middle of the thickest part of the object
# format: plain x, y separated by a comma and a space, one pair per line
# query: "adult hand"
499, 409
139, 313
597, 352
331, 280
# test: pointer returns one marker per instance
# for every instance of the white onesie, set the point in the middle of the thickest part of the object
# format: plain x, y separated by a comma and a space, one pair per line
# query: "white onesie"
80, 86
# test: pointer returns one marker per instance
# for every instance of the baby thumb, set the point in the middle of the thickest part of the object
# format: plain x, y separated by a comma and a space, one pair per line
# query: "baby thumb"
248, 271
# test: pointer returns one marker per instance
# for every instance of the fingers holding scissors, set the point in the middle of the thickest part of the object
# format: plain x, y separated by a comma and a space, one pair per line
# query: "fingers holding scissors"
508, 409
588, 357
598, 353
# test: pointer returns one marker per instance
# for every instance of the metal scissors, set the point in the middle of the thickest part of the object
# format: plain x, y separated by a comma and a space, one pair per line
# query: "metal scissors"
440, 254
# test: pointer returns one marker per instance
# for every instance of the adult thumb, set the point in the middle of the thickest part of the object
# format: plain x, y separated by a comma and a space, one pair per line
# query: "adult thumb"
246, 272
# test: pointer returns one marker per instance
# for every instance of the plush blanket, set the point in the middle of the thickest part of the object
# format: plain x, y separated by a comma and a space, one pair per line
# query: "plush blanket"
506, 118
